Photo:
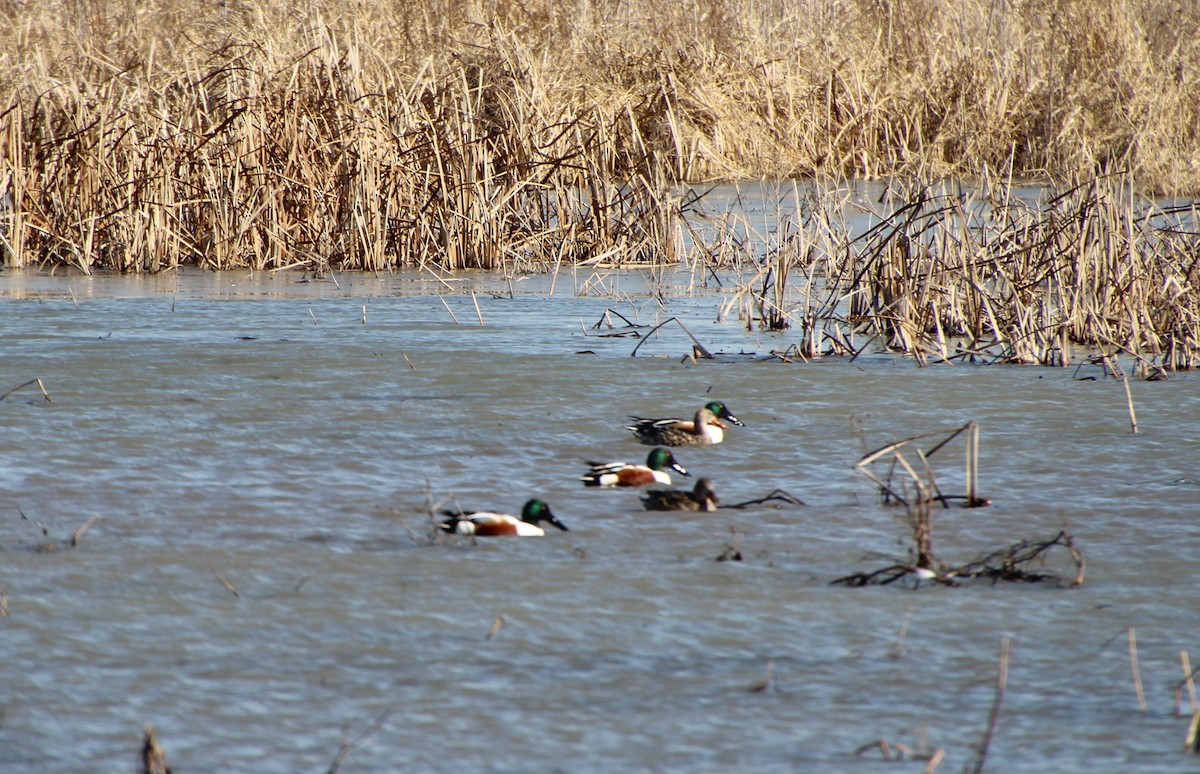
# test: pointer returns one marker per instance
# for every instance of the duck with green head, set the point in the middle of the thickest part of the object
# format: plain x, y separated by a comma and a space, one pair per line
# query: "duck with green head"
706, 428
490, 523
613, 474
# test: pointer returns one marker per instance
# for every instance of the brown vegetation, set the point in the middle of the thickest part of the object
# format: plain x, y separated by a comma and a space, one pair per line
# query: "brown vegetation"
269, 134
981, 276
916, 487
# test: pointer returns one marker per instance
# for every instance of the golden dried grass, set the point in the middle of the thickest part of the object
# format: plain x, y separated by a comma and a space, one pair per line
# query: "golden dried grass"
269, 133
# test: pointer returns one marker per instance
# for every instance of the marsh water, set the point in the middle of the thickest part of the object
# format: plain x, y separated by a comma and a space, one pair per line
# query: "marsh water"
261, 581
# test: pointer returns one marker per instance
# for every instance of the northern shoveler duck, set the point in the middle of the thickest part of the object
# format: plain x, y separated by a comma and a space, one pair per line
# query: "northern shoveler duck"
700, 498
487, 523
609, 474
705, 429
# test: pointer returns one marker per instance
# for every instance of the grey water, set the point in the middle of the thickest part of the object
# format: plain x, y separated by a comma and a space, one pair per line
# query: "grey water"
257, 456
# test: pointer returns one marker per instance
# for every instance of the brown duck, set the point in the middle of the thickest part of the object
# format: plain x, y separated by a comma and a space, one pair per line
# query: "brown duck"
700, 498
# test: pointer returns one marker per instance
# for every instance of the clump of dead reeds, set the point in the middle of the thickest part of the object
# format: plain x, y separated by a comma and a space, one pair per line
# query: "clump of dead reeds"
915, 486
952, 274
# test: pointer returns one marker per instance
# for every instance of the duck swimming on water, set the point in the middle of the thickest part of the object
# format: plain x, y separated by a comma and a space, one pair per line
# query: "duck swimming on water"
489, 523
706, 428
612, 474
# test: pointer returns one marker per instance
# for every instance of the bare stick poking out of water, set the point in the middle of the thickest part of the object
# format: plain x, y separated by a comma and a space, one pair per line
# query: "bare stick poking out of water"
700, 348
38, 382
768, 680
1192, 743
1137, 672
1186, 682
497, 625
79, 532
1001, 683
448, 309
350, 745
1119, 373
478, 313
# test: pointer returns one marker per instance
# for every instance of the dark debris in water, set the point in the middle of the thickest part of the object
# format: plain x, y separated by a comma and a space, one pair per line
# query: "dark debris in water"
775, 497
1012, 564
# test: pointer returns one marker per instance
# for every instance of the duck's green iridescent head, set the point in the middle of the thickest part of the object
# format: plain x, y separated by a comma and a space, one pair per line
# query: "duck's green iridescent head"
535, 510
721, 411
661, 458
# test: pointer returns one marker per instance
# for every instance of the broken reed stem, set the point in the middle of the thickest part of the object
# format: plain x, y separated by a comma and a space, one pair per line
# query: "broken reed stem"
1119, 373
77, 534
228, 586
497, 625
38, 382
349, 746
646, 336
478, 313
1188, 681
1137, 672
448, 309
1001, 683
972, 462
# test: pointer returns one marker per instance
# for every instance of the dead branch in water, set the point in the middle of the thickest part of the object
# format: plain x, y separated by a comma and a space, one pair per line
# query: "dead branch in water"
919, 492
38, 382
889, 489
77, 534
776, 495
1008, 563
350, 745
700, 348
629, 329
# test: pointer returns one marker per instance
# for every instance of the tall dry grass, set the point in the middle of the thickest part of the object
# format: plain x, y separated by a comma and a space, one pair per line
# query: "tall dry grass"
952, 274
266, 134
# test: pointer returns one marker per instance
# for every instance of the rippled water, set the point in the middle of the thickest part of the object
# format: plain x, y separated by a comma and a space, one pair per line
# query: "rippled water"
254, 430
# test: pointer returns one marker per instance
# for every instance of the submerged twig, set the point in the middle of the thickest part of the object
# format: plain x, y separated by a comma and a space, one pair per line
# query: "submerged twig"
228, 586
775, 495
349, 746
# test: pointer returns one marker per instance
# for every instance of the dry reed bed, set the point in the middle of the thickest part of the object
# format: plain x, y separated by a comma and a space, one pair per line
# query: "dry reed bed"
267, 154
1096, 271
519, 136
491, 133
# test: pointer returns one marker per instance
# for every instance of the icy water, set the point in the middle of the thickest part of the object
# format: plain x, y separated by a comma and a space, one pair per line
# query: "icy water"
257, 455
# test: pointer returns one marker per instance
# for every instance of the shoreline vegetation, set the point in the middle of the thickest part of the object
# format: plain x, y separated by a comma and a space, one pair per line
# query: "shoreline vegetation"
524, 136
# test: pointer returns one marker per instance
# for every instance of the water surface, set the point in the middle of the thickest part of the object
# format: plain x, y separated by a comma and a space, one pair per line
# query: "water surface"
254, 429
